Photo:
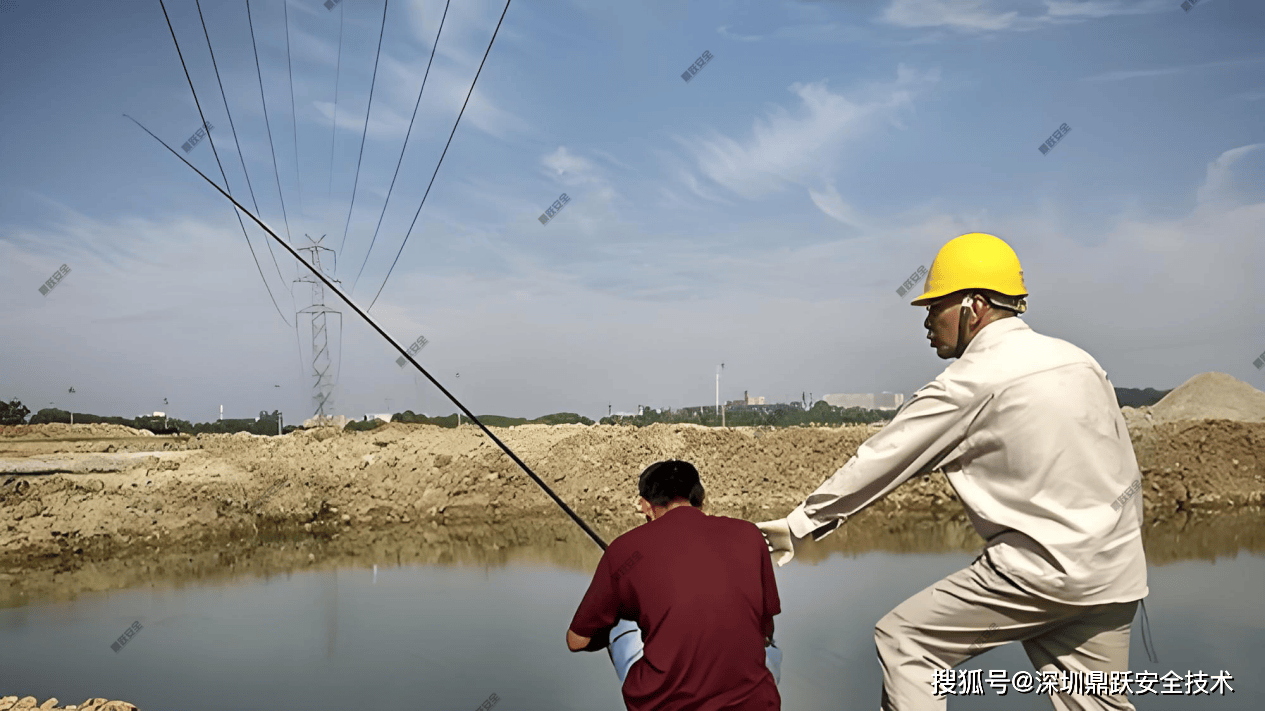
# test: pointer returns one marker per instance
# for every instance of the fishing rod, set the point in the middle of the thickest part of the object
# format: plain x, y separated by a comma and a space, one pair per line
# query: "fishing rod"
562, 504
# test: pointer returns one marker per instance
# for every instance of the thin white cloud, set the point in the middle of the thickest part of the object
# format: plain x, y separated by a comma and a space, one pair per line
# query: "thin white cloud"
958, 14
1098, 9
785, 149
395, 97
311, 8
610, 158
973, 16
1122, 75
467, 29
831, 203
1221, 181
723, 31
562, 162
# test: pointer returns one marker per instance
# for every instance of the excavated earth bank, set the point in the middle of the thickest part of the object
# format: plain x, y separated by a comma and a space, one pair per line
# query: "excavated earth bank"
432, 487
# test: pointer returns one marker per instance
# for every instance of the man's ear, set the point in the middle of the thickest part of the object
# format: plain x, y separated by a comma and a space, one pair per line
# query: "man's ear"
645, 506
980, 310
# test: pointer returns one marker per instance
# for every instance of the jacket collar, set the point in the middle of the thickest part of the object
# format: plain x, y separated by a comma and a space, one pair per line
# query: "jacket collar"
991, 334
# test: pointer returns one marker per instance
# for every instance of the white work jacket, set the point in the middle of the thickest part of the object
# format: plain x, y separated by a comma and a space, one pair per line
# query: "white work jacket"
1029, 433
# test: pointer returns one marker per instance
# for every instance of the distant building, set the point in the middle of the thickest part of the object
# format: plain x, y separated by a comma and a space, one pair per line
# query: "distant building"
746, 402
327, 421
869, 401
385, 417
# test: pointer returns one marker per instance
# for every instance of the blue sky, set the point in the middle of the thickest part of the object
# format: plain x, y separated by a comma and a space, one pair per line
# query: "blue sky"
761, 215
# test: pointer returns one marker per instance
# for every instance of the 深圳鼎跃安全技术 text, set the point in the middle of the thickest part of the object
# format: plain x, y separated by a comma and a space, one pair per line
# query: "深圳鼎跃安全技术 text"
971, 682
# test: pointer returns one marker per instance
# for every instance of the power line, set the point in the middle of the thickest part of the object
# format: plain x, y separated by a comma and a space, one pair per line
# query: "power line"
233, 129
364, 133
294, 119
441, 156
217, 157
406, 137
342, 13
267, 123
368, 319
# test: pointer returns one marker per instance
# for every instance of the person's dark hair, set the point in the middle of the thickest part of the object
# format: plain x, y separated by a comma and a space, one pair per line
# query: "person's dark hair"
663, 482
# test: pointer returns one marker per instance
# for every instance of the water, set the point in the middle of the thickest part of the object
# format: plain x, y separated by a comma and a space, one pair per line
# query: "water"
447, 637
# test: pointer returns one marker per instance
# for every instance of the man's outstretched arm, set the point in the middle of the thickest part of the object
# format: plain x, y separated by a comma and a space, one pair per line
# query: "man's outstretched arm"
917, 439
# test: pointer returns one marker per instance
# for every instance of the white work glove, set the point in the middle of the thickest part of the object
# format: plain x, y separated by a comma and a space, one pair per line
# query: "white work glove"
780, 539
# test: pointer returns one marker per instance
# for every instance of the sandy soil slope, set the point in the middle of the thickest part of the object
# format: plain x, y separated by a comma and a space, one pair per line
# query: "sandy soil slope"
223, 489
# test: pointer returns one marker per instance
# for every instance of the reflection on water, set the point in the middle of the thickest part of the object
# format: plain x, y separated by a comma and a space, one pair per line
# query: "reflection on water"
1203, 537
444, 626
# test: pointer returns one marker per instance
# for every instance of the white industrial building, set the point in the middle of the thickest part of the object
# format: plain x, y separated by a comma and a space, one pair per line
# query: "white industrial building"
869, 401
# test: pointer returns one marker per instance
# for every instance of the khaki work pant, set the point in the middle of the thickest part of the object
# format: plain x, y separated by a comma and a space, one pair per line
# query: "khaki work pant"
978, 609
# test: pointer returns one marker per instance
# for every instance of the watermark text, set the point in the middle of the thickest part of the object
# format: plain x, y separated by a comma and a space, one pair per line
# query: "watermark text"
197, 137
913, 279
697, 66
984, 636
1128, 494
126, 636
554, 208
971, 682
54, 280
413, 350
267, 493
1054, 139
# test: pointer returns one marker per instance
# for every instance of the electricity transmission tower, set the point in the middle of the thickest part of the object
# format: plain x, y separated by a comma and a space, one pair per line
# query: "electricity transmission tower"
323, 383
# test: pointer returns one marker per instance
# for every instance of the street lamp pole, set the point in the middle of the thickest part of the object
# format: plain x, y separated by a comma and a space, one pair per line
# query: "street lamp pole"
278, 416
719, 411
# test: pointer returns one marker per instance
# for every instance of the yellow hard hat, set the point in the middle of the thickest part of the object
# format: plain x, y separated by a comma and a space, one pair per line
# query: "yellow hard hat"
973, 261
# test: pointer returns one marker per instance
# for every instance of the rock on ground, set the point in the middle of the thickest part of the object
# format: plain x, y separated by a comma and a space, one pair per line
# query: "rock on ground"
13, 703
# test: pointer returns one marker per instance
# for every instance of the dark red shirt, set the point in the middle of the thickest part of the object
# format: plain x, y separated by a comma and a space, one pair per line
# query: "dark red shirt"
702, 590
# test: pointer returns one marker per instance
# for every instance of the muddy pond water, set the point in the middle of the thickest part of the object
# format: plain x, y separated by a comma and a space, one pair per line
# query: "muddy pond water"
448, 636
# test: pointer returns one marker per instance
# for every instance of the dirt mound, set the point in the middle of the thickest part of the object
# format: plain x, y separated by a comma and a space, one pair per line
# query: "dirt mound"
1137, 417
1212, 396
59, 430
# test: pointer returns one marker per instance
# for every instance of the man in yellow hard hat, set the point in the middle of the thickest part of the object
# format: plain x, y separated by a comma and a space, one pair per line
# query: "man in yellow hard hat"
1028, 432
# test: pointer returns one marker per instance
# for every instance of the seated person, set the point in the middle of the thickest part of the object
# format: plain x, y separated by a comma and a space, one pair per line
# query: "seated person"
702, 591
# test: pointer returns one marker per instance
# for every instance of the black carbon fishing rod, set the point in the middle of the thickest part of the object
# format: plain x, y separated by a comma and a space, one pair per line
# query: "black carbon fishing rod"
574, 516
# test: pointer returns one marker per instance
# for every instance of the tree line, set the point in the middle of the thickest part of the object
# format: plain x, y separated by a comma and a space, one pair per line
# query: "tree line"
779, 415
15, 413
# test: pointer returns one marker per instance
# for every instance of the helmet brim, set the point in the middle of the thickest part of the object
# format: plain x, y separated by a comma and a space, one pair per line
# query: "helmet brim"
932, 296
